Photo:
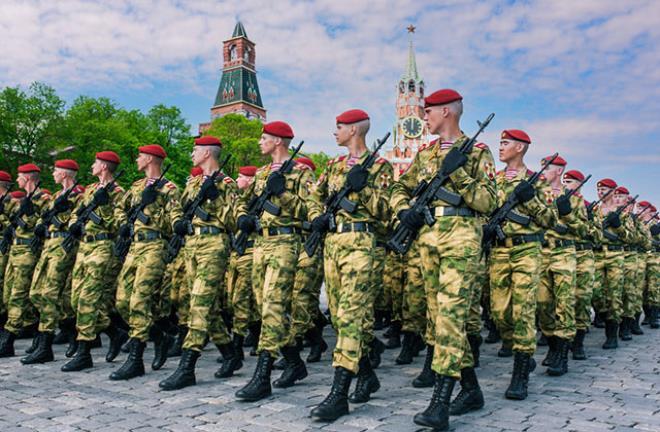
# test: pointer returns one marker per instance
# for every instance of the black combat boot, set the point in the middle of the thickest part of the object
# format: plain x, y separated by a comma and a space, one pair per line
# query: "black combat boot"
295, 368
407, 349
552, 351
7, 339
426, 376
654, 320
578, 345
611, 330
238, 341
255, 329
184, 375
259, 386
394, 336
81, 360
231, 360
252, 338
506, 350
475, 342
61, 337
523, 364
634, 325
29, 331
367, 382
335, 404
162, 343
470, 398
73, 344
43, 353
380, 320
67, 331
34, 344
175, 349
599, 319
647, 313
376, 348
493, 334
559, 364
436, 415
317, 345
134, 365
624, 330
543, 340
117, 337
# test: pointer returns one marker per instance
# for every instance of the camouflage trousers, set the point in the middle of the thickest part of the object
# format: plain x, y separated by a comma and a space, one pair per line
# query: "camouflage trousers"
382, 301
5, 292
239, 290
585, 275
632, 293
640, 282
66, 311
174, 282
274, 264
138, 287
608, 284
515, 274
393, 281
91, 286
413, 302
18, 279
376, 290
473, 325
306, 292
49, 283
556, 295
448, 282
349, 261
206, 258
652, 285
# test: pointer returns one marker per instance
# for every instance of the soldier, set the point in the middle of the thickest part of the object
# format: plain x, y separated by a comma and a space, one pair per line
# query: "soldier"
643, 244
652, 288
413, 311
629, 292
91, 284
21, 260
449, 249
393, 283
516, 261
206, 254
5, 197
142, 272
275, 258
54, 265
349, 252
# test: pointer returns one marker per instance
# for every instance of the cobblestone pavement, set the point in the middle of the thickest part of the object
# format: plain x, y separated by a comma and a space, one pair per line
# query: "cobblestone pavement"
613, 390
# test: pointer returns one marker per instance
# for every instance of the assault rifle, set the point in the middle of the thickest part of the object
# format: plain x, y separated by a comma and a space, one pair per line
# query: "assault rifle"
560, 228
609, 234
15, 221
339, 201
192, 209
262, 202
88, 212
427, 192
651, 219
49, 216
493, 229
593, 205
123, 244
2, 199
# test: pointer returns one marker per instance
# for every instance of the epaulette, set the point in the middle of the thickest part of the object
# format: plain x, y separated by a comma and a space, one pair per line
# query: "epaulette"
427, 146
500, 172
118, 188
228, 179
381, 160
79, 189
170, 185
530, 172
302, 166
481, 146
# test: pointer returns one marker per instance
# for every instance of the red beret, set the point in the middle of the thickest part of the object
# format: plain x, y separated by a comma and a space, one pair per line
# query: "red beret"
69, 164
278, 129
17, 194
608, 183
442, 97
307, 161
154, 150
208, 140
558, 160
28, 168
653, 209
516, 134
622, 190
195, 171
5, 176
574, 174
108, 156
352, 116
644, 204
249, 170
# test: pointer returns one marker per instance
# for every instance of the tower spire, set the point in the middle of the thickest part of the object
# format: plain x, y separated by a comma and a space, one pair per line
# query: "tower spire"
411, 69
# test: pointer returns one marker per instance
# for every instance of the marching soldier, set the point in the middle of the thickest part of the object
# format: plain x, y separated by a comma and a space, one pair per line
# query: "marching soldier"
23, 216
449, 249
5, 199
652, 288
54, 265
630, 240
141, 275
349, 252
516, 260
206, 253
644, 244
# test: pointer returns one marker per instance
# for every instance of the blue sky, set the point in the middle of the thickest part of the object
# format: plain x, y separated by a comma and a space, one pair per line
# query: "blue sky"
581, 77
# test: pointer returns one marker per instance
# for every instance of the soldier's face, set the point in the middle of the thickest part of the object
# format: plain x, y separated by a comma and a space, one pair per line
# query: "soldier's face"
553, 172
97, 167
342, 134
58, 176
198, 155
267, 144
142, 161
243, 181
22, 181
509, 150
434, 116
620, 199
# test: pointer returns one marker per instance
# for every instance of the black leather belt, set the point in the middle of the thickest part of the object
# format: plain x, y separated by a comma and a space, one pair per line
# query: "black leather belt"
558, 243
355, 227
97, 237
641, 249
518, 240
57, 234
453, 211
147, 236
22, 241
208, 230
583, 246
275, 231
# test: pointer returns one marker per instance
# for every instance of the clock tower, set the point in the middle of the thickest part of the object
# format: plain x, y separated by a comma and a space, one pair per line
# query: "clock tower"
410, 131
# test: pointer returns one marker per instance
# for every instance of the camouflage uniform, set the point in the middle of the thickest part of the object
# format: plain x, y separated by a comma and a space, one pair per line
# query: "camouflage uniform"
4, 222
635, 267
306, 292
393, 283
652, 285
349, 256
239, 289
585, 275
414, 297
450, 248
174, 282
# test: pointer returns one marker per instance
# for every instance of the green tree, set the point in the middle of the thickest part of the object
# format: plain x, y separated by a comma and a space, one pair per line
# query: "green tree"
240, 138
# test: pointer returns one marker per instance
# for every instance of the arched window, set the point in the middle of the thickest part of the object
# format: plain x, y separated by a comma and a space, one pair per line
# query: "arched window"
233, 54
411, 86
246, 54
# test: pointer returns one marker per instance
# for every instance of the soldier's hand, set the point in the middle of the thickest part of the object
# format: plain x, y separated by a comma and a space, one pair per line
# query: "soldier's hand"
149, 195
27, 208
247, 223
276, 183
124, 231
101, 197
590, 215
61, 206
563, 205
524, 191
180, 228
40, 231
321, 223
655, 230
411, 219
357, 178
8, 235
76, 229
613, 220
210, 190
453, 161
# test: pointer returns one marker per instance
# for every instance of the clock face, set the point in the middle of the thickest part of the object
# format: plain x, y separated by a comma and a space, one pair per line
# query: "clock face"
412, 127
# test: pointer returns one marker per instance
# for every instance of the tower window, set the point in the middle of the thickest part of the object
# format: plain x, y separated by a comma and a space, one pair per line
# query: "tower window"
233, 54
411, 86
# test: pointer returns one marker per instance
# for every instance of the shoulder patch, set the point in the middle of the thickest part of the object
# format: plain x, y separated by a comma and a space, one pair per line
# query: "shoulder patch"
481, 146
302, 166
500, 172
118, 188
427, 146
228, 180
381, 160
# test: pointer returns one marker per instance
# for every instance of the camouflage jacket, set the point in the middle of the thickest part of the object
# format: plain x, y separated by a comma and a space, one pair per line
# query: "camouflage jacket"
643, 234
576, 223
109, 223
611, 236
160, 215
39, 201
61, 220
220, 211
